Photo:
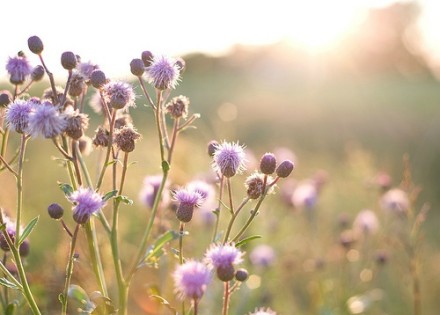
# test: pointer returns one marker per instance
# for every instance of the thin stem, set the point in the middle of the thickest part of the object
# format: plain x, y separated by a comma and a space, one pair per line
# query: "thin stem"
196, 305
225, 309
147, 95
66, 228
25, 88
4, 143
173, 140
158, 124
75, 162
62, 150
69, 270
19, 178
6, 164
217, 211
234, 216
51, 79
83, 165
109, 150
181, 231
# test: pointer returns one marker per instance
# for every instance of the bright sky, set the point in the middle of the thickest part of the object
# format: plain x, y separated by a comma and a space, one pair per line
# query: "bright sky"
111, 33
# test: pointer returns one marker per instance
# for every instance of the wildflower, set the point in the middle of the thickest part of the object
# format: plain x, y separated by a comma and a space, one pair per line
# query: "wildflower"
118, 95
396, 201
77, 84
86, 69
98, 78
188, 200
55, 211
255, 185
76, 123
191, 280
207, 191
86, 202
229, 159
149, 191
268, 163
68, 60
126, 137
137, 67
223, 258
35, 44
263, 311
366, 222
18, 68
262, 255
5, 98
163, 73
17, 115
305, 195
47, 121
284, 169
178, 107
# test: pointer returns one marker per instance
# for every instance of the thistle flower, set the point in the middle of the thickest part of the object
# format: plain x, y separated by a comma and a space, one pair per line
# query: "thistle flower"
18, 68
262, 256
86, 69
17, 115
178, 107
118, 95
263, 311
126, 137
366, 222
222, 258
86, 202
191, 280
229, 159
395, 201
46, 121
163, 73
76, 123
187, 200
149, 190
49, 96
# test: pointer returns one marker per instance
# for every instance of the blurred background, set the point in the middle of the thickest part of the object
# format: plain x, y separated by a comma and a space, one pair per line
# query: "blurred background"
348, 88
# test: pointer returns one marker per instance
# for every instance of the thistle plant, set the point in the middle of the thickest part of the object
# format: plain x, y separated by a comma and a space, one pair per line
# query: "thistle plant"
96, 192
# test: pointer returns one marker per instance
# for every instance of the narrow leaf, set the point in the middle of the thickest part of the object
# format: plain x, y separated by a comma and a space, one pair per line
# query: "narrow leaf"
164, 302
247, 240
161, 242
66, 188
11, 309
109, 195
28, 229
6, 283
125, 199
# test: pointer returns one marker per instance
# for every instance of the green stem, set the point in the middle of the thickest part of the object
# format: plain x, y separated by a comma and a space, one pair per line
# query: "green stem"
147, 95
109, 150
173, 140
234, 216
4, 142
217, 211
158, 124
181, 231
69, 271
19, 178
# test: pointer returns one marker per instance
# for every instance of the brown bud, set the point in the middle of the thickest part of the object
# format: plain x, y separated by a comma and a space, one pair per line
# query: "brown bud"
68, 60
35, 44
137, 67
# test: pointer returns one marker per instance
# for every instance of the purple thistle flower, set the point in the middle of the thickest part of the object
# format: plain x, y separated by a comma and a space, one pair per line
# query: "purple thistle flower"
18, 68
395, 201
47, 121
87, 202
203, 188
187, 200
17, 115
118, 95
366, 222
263, 311
262, 255
148, 193
229, 159
219, 255
163, 73
191, 280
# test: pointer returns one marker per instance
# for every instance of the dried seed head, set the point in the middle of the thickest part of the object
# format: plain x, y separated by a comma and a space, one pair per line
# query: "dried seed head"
5, 98
255, 185
126, 137
68, 60
55, 211
147, 58
37, 73
35, 44
76, 123
268, 163
184, 212
118, 95
241, 275
97, 78
102, 137
284, 169
137, 67
178, 107
48, 95
77, 84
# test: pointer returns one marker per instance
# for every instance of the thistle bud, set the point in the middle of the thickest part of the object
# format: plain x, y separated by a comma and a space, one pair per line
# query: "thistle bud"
137, 67
255, 186
225, 273
37, 73
5, 98
184, 212
241, 275
35, 44
77, 84
126, 137
97, 78
268, 163
55, 211
178, 107
181, 64
68, 60
284, 169
24, 248
147, 58
212, 147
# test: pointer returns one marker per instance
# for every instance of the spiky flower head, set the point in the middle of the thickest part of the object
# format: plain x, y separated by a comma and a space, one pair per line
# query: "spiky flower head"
178, 107
76, 123
118, 95
46, 121
17, 115
149, 190
263, 311
229, 158
187, 201
86, 203
191, 280
163, 72
126, 137
18, 68
222, 258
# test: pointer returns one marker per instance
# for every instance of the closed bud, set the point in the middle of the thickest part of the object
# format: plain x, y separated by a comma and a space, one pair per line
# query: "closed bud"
126, 137
268, 163
147, 58
55, 211
35, 44
212, 147
37, 73
241, 275
137, 67
68, 60
225, 273
81, 217
97, 78
5, 98
184, 212
181, 64
284, 169
24, 248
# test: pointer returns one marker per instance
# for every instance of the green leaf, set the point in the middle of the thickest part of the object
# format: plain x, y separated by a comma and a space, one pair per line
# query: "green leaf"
79, 295
3, 227
156, 248
6, 283
247, 240
164, 302
66, 188
109, 195
28, 230
11, 309
124, 199
104, 305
